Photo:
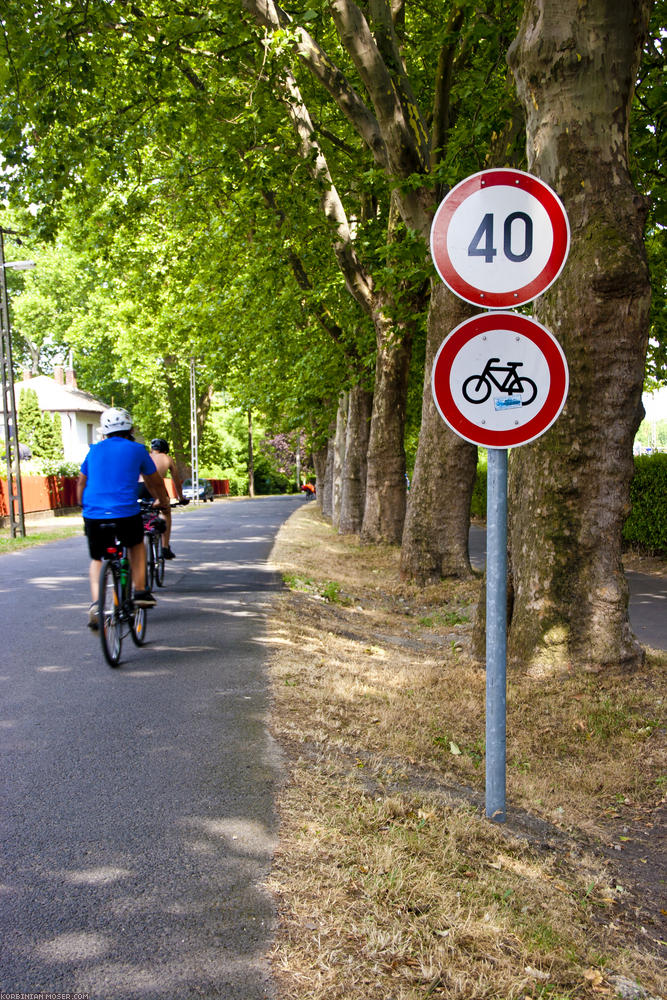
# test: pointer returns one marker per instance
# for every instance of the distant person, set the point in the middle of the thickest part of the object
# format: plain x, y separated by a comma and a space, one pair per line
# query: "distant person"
309, 490
164, 463
107, 492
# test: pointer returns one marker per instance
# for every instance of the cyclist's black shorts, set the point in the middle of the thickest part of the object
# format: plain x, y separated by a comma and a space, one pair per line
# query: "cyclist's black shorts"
144, 492
102, 534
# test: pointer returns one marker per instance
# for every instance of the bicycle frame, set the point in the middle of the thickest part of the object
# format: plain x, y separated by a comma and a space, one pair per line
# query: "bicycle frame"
511, 383
117, 613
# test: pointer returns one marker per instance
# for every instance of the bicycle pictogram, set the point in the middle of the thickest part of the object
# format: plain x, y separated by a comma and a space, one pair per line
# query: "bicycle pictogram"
477, 388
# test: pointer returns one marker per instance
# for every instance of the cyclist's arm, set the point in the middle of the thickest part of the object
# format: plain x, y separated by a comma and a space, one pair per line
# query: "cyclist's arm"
80, 487
155, 485
177, 479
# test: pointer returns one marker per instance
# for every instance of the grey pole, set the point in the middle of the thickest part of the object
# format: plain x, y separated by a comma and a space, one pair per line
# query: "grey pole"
11, 435
194, 434
496, 632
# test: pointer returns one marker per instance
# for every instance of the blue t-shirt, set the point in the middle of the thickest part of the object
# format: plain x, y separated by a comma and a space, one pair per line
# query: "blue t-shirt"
112, 468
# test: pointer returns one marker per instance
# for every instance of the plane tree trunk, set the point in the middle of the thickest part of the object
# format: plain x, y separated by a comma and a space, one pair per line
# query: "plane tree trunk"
575, 67
435, 536
360, 402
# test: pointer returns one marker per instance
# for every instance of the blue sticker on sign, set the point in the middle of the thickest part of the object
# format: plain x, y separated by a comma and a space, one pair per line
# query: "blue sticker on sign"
506, 402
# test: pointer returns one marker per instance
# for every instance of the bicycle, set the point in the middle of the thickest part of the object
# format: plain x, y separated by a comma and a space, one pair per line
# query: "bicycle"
154, 528
117, 613
511, 384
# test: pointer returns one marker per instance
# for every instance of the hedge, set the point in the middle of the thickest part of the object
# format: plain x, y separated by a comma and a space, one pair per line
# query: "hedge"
646, 527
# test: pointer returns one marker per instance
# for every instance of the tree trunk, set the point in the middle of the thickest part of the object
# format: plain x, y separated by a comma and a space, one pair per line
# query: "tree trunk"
339, 459
575, 66
435, 537
384, 511
320, 464
326, 496
356, 447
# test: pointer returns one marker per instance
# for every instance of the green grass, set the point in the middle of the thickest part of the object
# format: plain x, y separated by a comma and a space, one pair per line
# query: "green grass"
36, 537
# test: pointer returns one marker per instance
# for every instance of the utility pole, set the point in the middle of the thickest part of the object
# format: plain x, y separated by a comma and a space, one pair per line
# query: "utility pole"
14, 489
251, 458
194, 434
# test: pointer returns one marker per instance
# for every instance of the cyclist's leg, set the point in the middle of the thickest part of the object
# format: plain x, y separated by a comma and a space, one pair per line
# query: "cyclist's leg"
167, 532
94, 574
159, 557
137, 556
99, 536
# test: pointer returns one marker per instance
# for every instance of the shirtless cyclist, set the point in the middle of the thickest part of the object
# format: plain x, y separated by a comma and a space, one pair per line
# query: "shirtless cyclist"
164, 464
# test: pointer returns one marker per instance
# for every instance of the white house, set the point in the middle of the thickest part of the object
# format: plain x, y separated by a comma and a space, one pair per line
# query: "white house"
79, 411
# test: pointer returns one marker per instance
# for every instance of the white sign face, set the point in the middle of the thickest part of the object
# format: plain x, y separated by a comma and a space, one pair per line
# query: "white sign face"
500, 380
500, 238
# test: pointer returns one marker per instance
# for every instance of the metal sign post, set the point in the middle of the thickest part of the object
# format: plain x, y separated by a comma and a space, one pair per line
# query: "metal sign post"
499, 239
496, 632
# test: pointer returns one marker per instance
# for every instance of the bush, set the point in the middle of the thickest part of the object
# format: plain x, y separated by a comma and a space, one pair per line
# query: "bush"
55, 467
478, 501
238, 483
646, 527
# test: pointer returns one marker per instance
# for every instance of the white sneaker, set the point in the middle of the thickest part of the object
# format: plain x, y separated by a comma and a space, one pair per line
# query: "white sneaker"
93, 616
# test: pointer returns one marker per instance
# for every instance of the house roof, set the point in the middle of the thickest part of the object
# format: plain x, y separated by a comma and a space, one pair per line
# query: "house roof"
55, 397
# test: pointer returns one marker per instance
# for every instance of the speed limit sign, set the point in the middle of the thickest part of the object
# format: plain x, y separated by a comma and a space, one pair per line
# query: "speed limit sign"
500, 238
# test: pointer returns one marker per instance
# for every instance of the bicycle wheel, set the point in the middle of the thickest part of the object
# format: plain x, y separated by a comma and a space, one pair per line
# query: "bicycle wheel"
150, 560
528, 386
476, 389
158, 557
111, 633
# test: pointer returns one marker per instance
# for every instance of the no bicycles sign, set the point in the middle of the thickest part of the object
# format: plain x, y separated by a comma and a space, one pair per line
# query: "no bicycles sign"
500, 238
500, 379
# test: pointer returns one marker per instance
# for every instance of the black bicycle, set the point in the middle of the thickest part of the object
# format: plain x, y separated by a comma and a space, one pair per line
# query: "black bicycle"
117, 612
477, 388
154, 528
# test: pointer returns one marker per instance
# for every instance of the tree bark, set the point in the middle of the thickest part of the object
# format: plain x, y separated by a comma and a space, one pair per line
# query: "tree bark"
320, 463
575, 66
356, 446
326, 496
339, 459
384, 512
435, 537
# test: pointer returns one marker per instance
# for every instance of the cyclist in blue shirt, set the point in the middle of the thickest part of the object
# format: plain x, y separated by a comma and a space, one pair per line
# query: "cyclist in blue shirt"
107, 492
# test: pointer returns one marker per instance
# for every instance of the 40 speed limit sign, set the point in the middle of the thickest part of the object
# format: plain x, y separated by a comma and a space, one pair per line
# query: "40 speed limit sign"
500, 238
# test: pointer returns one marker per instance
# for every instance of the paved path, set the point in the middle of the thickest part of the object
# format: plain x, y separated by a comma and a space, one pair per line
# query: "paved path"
648, 596
136, 810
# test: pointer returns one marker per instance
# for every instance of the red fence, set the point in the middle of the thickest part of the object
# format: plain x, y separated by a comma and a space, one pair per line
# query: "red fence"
59, 492
42, 493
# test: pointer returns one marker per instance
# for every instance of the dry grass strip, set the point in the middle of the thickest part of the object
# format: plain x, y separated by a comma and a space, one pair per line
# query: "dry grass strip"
390, 884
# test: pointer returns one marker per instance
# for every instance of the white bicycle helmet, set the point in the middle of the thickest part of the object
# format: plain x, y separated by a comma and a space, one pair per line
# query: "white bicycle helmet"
115, 419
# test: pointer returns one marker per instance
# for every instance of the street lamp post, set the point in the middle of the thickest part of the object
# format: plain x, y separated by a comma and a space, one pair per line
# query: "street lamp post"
14, 490
194, 435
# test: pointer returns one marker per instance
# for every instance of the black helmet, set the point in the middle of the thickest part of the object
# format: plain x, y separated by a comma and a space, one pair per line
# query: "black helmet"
159, 444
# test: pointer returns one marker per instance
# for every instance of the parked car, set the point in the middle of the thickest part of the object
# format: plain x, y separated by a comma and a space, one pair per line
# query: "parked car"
205, 491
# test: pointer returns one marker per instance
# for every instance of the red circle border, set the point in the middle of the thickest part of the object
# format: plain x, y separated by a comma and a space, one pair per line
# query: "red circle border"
543, 339
508, 178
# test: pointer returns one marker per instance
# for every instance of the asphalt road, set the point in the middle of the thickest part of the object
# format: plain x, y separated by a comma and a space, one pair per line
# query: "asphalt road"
137, 815
648, 596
